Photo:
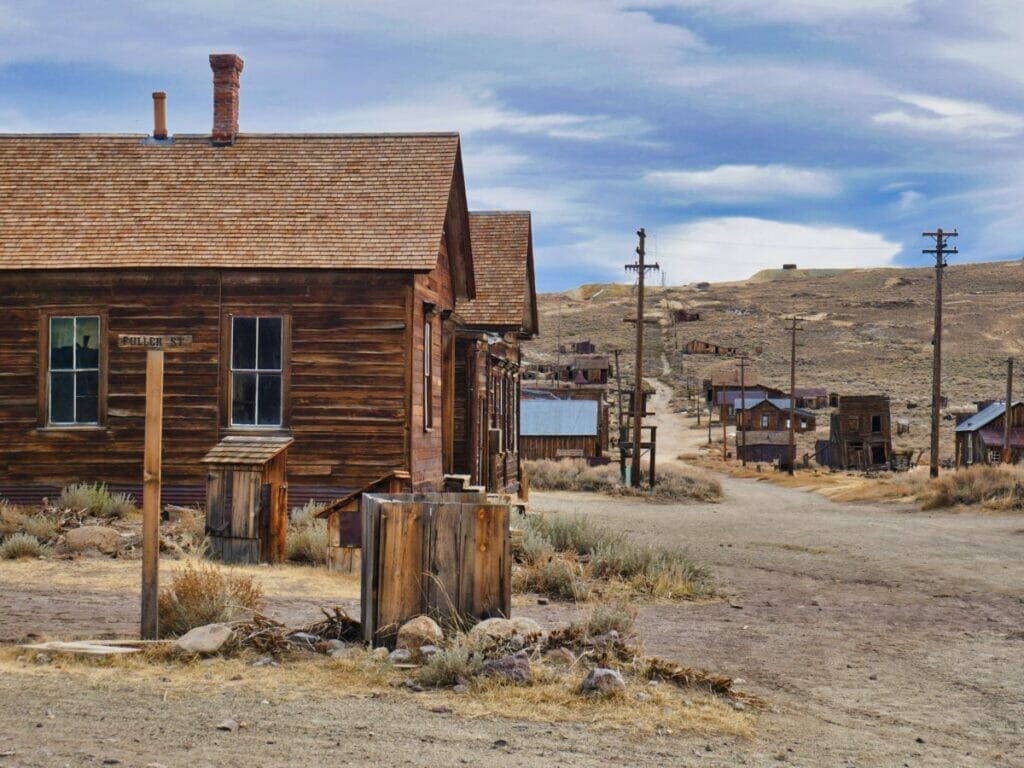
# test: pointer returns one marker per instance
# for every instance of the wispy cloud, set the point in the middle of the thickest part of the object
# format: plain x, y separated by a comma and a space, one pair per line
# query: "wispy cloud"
734, 247
739, 183
802, 11
932, 114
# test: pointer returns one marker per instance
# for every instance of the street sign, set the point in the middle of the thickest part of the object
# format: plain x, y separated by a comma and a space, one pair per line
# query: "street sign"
166, 342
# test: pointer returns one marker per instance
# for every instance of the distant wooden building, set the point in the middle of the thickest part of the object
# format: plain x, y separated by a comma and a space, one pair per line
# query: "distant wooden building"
595, 392
861, 433
485, 388
590, 369
771, 415
812, 398
980, 439
584, 347
318, 276
685, 316
560, 429
698, 347
766, 446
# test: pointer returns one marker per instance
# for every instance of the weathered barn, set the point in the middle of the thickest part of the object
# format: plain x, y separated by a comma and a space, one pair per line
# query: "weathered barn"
768, 446
980, 439
771, 415
698, 347
596, 392
558, 429
316, 274
861, 433
485, 387
590, 369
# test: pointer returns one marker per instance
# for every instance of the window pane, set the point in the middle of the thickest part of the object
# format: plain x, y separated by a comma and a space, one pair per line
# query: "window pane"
87, 397
62, 342
243, 343
269, 400
270, 344
243, 398
62, 398
87, 342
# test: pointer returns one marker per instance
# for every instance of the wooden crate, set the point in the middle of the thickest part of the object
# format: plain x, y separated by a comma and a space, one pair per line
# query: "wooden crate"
446, 555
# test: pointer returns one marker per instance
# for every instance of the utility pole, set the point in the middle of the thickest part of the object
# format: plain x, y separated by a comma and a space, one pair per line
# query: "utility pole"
559, 352
618, 384
940, 250
1007, 445
743, 402
638, 393
793, 328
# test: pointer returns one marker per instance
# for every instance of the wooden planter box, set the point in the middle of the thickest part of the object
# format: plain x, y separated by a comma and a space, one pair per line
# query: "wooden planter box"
446, 555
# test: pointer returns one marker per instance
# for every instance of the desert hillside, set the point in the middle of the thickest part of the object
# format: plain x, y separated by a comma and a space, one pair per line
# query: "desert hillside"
865, 332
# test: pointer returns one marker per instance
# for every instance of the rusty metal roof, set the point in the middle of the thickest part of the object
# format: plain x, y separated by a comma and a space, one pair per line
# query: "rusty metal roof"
245, 449
355, 201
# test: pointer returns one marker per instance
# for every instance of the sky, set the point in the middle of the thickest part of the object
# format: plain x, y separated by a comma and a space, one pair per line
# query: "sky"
740, 134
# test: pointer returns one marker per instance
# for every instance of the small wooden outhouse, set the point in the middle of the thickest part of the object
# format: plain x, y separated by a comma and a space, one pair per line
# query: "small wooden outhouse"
247, 499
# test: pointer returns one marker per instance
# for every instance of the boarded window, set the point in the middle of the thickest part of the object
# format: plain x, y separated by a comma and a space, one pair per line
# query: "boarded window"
74, 370
256, 371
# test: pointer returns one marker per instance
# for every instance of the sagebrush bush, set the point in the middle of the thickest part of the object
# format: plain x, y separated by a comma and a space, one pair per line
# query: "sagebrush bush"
19, 545
576, 475
307, 535
96, 499
42, 527
994, 487
450, 665
560, 577
11, 520
201, 593
605, 617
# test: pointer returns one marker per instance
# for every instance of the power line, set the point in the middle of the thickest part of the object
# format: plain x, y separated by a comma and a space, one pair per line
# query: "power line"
782, 246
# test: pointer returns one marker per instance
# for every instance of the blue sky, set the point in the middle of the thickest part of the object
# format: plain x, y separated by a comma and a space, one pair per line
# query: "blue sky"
740, 133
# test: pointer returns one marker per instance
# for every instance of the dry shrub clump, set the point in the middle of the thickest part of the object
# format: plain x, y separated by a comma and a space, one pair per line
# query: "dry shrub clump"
96, 499
201, 593
561, 556
992, 487
576, 475
450, 666
307, 535
20, 545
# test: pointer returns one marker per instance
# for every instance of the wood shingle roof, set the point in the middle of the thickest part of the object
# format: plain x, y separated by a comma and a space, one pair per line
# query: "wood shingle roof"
503, 270
268, 201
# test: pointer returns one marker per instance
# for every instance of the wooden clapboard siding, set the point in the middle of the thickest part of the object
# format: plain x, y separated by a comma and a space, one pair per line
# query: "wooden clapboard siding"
531, 448
348, 348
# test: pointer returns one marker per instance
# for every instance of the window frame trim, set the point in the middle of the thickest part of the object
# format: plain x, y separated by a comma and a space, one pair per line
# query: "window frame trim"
43, 376
226, 377
428, 370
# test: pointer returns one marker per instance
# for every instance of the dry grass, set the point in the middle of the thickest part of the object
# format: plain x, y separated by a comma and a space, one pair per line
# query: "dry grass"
450, 666
563, 556
998, 488
19, 546
576, 475
307, 535
95, 499
201, 593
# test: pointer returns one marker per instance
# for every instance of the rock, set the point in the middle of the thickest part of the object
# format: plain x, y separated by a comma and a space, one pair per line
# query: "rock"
345, 652
400, 656
413, 686
514, 668
304, 638
643, 696
560, 657
739, 706
490, 632
230, 725
266, 660
42, 658
542, 601
422, 630
602, 680
209, 638
380, 654
99, 537
330, 646
426, 651
460, 688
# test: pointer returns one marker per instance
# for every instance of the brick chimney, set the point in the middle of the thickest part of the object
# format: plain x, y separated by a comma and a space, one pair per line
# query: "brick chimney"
227, 68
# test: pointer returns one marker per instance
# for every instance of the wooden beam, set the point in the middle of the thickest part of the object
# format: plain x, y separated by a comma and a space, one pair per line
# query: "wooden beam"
151, 491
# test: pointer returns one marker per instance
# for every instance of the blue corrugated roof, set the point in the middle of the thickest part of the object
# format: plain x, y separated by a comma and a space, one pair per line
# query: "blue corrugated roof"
564, 418
983, 417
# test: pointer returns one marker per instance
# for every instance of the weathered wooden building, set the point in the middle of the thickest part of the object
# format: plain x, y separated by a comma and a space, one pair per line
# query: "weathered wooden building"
771, 415
317, 275
767, 446
698, 347
685, 316
812, 398
486, 370
980, 439
596, 392
861, 433
560, 429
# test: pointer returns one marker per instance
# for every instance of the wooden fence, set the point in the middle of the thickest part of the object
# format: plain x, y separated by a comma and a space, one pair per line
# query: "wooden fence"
445, 555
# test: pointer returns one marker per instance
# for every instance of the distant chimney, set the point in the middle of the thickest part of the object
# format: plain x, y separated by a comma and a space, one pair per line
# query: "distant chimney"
159, 115
227, 67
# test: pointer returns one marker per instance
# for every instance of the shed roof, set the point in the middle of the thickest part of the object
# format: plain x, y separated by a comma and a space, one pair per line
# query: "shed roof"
994, 437
811, 392
984, 417
558, 418
506, 296
780, 403
343, 201
246, 449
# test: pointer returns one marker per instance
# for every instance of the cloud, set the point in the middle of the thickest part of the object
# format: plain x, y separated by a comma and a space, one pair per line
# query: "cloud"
909, 200
549, 204
475, 112
808, 12
738, 183
734, 248
968, 119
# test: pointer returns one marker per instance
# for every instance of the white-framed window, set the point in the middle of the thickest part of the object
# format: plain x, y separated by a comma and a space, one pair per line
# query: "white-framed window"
765, 420
257, 358
428, 378
73, 370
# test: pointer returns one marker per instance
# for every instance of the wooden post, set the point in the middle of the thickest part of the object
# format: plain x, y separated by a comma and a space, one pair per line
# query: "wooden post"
151, 491
654, 443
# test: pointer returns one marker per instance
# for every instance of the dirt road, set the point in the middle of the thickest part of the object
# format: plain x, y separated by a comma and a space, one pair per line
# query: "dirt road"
885, 636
